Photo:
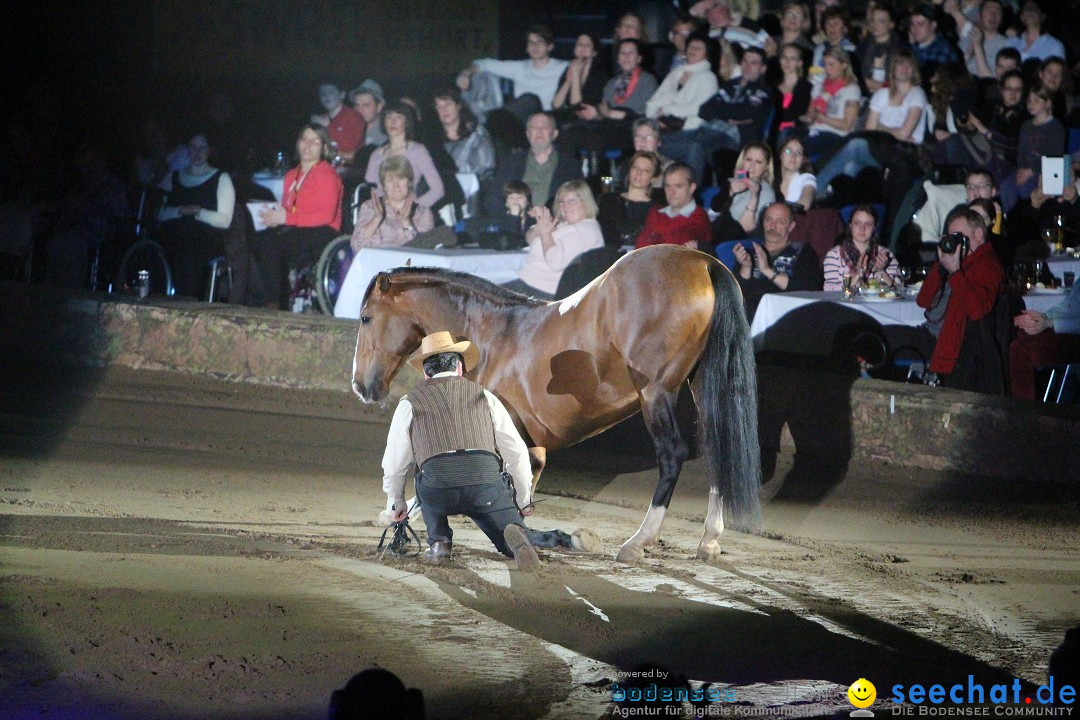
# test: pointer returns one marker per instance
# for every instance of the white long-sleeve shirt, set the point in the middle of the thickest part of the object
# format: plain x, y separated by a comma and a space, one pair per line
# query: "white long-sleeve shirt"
221, 217
398, 459
528, 78
685, 101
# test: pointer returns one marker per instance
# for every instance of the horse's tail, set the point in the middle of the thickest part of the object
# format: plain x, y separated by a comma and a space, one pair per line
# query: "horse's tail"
727, 405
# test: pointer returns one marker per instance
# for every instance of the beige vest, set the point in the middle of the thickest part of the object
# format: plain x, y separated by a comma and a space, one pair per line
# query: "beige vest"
450, 413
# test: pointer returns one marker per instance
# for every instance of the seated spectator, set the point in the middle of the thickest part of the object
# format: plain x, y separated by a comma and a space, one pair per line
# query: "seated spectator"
517, 199
600, 127
961, 286
1041, 134
778, 264
89, 213
1033, 42
837, 25
980, 41
834, 106
794, 22
622, 215
368, 100
990, 136
793, 90
897, 111
542, 167
675, 103
734, 116
399, 122
728, 19
582, 83
742, 198
1054, 76
1050, 338
467, 142
198, 209
951, 101
345, 125
797, 184
555, 240
535, 80
876, 51
681, 221
156, 161
682, 29
860, 257
647, 138
631, 26
298, 229
395, 217
929, 46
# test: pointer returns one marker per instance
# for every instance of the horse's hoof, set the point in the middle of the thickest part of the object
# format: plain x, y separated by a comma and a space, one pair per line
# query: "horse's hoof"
709, 553
630, 554
585, 540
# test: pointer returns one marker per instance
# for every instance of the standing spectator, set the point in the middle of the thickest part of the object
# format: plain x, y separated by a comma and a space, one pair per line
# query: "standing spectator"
399, 123
930, 47
198, 209
345, 125
860, 256
308, 217
778, 264
681, 221
555, 240
1033, 42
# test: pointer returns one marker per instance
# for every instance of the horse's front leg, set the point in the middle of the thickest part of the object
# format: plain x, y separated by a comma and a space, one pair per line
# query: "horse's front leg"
537, 461
658, 407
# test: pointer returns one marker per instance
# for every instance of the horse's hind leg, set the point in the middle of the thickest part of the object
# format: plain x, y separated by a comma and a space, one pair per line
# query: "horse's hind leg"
658, 407
709, 547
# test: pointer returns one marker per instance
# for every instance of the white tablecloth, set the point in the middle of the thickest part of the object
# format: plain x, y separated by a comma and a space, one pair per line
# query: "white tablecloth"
1060, 264
807, 322
271, 181
496, 266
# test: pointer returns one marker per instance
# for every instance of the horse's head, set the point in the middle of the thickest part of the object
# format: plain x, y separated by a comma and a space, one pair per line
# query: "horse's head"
388, 334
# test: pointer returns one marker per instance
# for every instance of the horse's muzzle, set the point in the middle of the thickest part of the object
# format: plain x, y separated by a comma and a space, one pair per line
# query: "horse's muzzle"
370, 394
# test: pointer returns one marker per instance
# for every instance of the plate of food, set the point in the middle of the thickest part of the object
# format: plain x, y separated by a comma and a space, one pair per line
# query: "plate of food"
881, 296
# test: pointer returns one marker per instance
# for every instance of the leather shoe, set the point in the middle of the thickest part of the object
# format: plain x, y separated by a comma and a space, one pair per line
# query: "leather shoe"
524, 554
438, 551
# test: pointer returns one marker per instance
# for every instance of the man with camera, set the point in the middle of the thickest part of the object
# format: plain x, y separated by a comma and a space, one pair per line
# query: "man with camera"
962, 288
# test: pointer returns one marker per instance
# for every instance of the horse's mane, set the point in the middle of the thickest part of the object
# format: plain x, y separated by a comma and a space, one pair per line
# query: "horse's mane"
470, 283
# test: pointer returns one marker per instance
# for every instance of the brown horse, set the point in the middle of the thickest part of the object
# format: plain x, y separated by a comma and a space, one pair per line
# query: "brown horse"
569, 369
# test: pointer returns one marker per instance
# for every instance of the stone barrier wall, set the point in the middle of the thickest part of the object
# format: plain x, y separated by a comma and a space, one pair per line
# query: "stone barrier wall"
827, 416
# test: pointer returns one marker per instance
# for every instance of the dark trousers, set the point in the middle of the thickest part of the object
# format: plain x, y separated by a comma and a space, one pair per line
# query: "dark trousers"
277, 249
190, 245
490, 506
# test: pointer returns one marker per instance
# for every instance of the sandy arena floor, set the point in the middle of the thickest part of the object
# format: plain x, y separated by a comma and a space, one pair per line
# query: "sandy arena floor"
173, 547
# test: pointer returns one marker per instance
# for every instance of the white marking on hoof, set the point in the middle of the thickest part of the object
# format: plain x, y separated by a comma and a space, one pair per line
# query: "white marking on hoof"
630, 554
709, 547
585, 540
633, 550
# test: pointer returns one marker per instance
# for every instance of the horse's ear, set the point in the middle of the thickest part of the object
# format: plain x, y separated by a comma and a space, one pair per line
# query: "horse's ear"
384, 282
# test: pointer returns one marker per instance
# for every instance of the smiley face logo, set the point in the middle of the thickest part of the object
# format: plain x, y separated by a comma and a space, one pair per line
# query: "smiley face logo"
862, 693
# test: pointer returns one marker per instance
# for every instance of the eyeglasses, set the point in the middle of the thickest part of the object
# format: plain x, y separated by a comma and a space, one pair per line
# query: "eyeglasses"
569, 200
978, 186
793, 151
649, 136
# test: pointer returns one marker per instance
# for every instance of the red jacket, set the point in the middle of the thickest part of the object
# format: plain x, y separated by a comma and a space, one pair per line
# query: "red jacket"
974, 290
663, 230
347, 129
317, 201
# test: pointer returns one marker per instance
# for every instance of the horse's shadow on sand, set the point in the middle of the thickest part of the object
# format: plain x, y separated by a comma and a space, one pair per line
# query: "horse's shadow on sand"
706, 642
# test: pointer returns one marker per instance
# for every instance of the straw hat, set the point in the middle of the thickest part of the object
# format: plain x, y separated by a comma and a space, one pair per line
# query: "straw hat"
443, 342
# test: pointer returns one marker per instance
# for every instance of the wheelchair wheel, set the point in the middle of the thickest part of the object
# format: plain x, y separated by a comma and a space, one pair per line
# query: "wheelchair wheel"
330, 272
144, 255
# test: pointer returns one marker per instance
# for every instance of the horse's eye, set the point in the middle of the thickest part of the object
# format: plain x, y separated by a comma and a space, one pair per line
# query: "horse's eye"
364, 320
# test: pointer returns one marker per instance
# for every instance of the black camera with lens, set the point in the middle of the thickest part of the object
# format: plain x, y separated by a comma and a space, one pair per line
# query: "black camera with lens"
949, 242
